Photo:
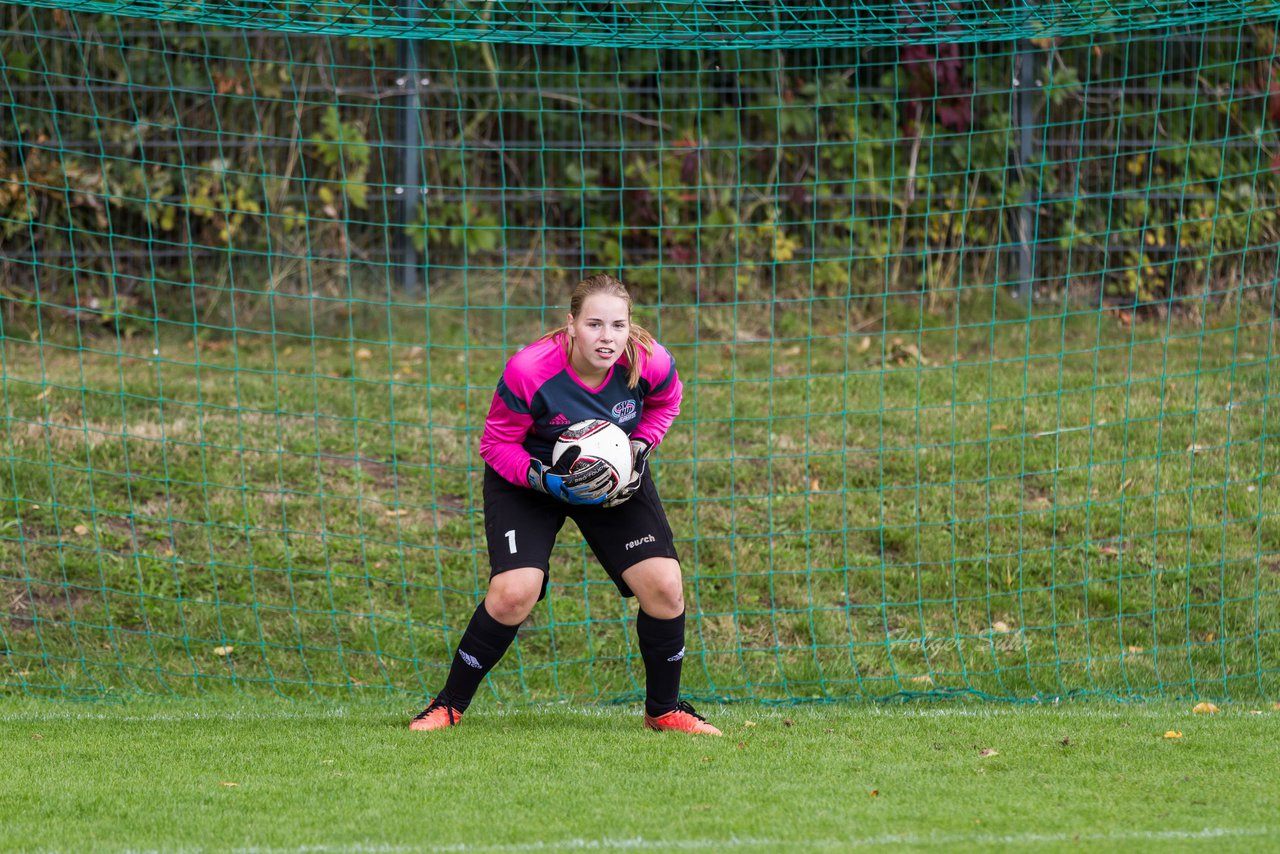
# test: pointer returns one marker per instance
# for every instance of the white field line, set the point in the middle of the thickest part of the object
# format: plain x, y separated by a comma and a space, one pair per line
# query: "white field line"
741, 842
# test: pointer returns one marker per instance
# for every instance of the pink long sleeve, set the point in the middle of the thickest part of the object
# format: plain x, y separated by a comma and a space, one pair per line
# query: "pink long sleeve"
662, 402
501, 444
513, 414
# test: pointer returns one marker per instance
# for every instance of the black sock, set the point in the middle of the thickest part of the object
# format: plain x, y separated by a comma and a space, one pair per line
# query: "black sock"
662, 648
482, 646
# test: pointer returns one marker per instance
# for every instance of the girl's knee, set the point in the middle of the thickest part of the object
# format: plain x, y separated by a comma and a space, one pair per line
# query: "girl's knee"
513, 594
666, 602
660, 588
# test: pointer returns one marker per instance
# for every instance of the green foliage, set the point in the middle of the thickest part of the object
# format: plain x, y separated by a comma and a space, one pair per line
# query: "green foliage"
1148, 171
468, 228
227, 205
342, 148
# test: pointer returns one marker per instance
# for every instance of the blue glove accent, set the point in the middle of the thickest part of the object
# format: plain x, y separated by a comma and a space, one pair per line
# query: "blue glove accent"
588, 486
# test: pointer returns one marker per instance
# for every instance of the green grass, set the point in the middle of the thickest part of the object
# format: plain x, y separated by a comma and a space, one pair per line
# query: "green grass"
155, 775
868, 500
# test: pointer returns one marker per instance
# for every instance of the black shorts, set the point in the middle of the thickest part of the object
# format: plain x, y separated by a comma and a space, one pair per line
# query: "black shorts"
521, 524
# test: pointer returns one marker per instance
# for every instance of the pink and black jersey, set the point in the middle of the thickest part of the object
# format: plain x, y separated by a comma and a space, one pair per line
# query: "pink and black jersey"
539, 395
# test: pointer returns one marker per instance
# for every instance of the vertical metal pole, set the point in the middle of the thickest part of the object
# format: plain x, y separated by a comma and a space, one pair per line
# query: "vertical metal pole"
409, 190
1026, 86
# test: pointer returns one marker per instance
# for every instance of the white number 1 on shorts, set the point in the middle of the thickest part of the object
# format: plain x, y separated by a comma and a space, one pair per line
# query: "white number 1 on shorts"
511, 540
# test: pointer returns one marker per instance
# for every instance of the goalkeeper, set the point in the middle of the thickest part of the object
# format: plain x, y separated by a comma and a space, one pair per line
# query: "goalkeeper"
599, 365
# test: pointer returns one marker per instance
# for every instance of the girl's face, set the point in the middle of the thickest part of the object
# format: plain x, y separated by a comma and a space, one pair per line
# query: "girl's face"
599, 333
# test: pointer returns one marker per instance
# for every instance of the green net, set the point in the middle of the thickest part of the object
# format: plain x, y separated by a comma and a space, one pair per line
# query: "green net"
975, 306
702, 24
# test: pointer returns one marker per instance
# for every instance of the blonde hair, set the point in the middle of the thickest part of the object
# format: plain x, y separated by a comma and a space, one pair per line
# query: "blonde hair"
639, 337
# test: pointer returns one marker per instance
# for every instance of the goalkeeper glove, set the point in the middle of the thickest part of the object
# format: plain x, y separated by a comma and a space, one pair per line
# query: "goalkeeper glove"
639, 458
589, 485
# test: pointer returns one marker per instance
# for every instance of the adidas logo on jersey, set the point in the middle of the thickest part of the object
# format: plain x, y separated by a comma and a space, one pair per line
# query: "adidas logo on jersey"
560, 421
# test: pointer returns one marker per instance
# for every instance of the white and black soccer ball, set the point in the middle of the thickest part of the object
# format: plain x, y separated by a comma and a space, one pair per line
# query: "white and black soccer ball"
597, 439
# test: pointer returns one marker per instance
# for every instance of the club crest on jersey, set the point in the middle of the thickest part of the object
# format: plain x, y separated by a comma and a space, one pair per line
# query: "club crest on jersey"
624, 410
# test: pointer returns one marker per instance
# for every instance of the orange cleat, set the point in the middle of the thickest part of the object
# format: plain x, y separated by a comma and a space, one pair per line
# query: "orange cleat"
435, 716
681, 719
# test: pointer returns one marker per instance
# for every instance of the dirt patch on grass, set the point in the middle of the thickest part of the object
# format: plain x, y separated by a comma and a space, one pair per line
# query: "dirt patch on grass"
143, 535
450, 504
24, 604
385, 475
65, 433
382, 472
148, 529
1035, 495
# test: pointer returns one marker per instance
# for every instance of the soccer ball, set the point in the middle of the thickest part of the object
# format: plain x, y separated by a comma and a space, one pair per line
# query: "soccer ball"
597, 439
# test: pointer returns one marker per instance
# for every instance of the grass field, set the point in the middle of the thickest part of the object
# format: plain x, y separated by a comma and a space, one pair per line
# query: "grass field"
276, 776
867, 500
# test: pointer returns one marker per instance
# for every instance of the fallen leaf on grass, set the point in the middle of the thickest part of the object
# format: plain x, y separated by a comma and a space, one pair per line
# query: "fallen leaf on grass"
988, 751
1255, 711
364, 353
230, 785
748, 723
1173, 733
81, 529
1205, 709
38, 737
875, 793
223, 650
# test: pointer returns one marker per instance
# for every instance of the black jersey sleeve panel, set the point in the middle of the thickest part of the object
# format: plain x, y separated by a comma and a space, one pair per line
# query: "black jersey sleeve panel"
511, 399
